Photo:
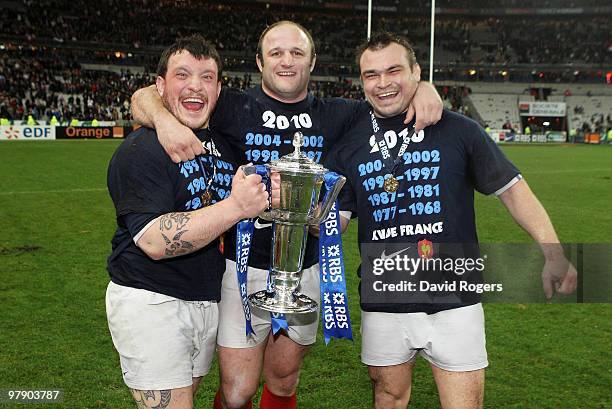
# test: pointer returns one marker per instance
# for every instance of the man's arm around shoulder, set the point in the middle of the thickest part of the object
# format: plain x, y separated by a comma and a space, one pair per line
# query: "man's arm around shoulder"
179, 142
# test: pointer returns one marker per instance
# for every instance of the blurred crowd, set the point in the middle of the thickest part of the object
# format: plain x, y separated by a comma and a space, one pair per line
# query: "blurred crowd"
45, 47
60, 88
471, 4
140, 25
344, 88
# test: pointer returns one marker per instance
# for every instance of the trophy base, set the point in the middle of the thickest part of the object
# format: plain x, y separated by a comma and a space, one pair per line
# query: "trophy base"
300, 303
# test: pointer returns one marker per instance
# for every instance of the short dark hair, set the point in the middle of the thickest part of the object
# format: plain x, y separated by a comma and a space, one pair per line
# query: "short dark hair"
280, 23
195, 45
381, 40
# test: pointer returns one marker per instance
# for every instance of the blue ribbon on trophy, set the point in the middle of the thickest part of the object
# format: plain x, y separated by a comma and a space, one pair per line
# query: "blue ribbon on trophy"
334, 297
244, 237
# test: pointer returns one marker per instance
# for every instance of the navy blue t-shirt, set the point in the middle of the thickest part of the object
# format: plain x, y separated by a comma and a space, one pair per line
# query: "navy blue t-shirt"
144, 184
437, 175
261, 128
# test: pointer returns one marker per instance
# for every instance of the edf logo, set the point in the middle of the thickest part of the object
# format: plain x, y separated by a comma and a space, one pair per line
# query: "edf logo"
38, 132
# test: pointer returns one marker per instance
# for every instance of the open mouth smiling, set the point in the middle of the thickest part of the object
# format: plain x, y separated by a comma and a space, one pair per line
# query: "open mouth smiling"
193, 103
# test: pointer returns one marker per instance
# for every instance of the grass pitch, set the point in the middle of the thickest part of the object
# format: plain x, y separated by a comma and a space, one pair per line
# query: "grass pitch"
57, 222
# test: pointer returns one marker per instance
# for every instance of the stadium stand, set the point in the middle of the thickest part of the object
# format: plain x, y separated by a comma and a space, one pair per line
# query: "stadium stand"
146, 25
62, 88
589, 113
497, 109
51, 65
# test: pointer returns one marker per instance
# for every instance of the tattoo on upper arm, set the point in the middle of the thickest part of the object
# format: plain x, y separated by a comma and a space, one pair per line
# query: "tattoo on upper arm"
172, 227
152, 399
176, 220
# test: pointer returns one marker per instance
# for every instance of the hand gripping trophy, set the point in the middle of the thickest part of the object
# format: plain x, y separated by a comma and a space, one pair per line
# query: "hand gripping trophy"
301, 182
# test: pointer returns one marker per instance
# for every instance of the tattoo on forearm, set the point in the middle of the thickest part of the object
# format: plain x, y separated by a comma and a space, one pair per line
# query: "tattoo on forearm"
176, 222
176, 246
152, 399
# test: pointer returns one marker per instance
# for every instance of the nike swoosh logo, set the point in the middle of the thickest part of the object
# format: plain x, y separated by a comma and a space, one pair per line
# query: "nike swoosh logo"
384, 256
262, 226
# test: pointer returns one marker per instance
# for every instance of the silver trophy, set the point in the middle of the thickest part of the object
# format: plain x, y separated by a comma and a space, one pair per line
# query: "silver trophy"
301, 180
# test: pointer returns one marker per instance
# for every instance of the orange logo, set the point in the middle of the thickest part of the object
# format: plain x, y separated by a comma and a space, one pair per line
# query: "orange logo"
117, 132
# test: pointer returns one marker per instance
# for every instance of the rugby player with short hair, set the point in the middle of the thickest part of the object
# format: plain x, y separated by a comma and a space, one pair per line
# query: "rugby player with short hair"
425, 185
260, 124
165, 266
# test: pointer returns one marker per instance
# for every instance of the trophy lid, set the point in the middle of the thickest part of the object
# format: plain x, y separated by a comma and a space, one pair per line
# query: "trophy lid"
297, 161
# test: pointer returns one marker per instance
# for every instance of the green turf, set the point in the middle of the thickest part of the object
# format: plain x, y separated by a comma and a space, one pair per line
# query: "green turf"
57, 223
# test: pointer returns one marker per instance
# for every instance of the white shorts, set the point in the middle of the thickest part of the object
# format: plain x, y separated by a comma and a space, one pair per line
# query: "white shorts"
453, 340
232, 327
163, 342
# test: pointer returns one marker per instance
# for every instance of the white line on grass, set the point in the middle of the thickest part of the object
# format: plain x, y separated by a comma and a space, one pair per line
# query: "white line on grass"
32, 192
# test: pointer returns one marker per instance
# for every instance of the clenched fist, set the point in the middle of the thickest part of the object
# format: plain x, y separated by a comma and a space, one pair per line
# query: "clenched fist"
559, 276
248, 194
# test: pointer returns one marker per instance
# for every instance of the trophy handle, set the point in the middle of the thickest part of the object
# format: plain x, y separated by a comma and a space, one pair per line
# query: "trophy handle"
330, 198
264, 172
261, 170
